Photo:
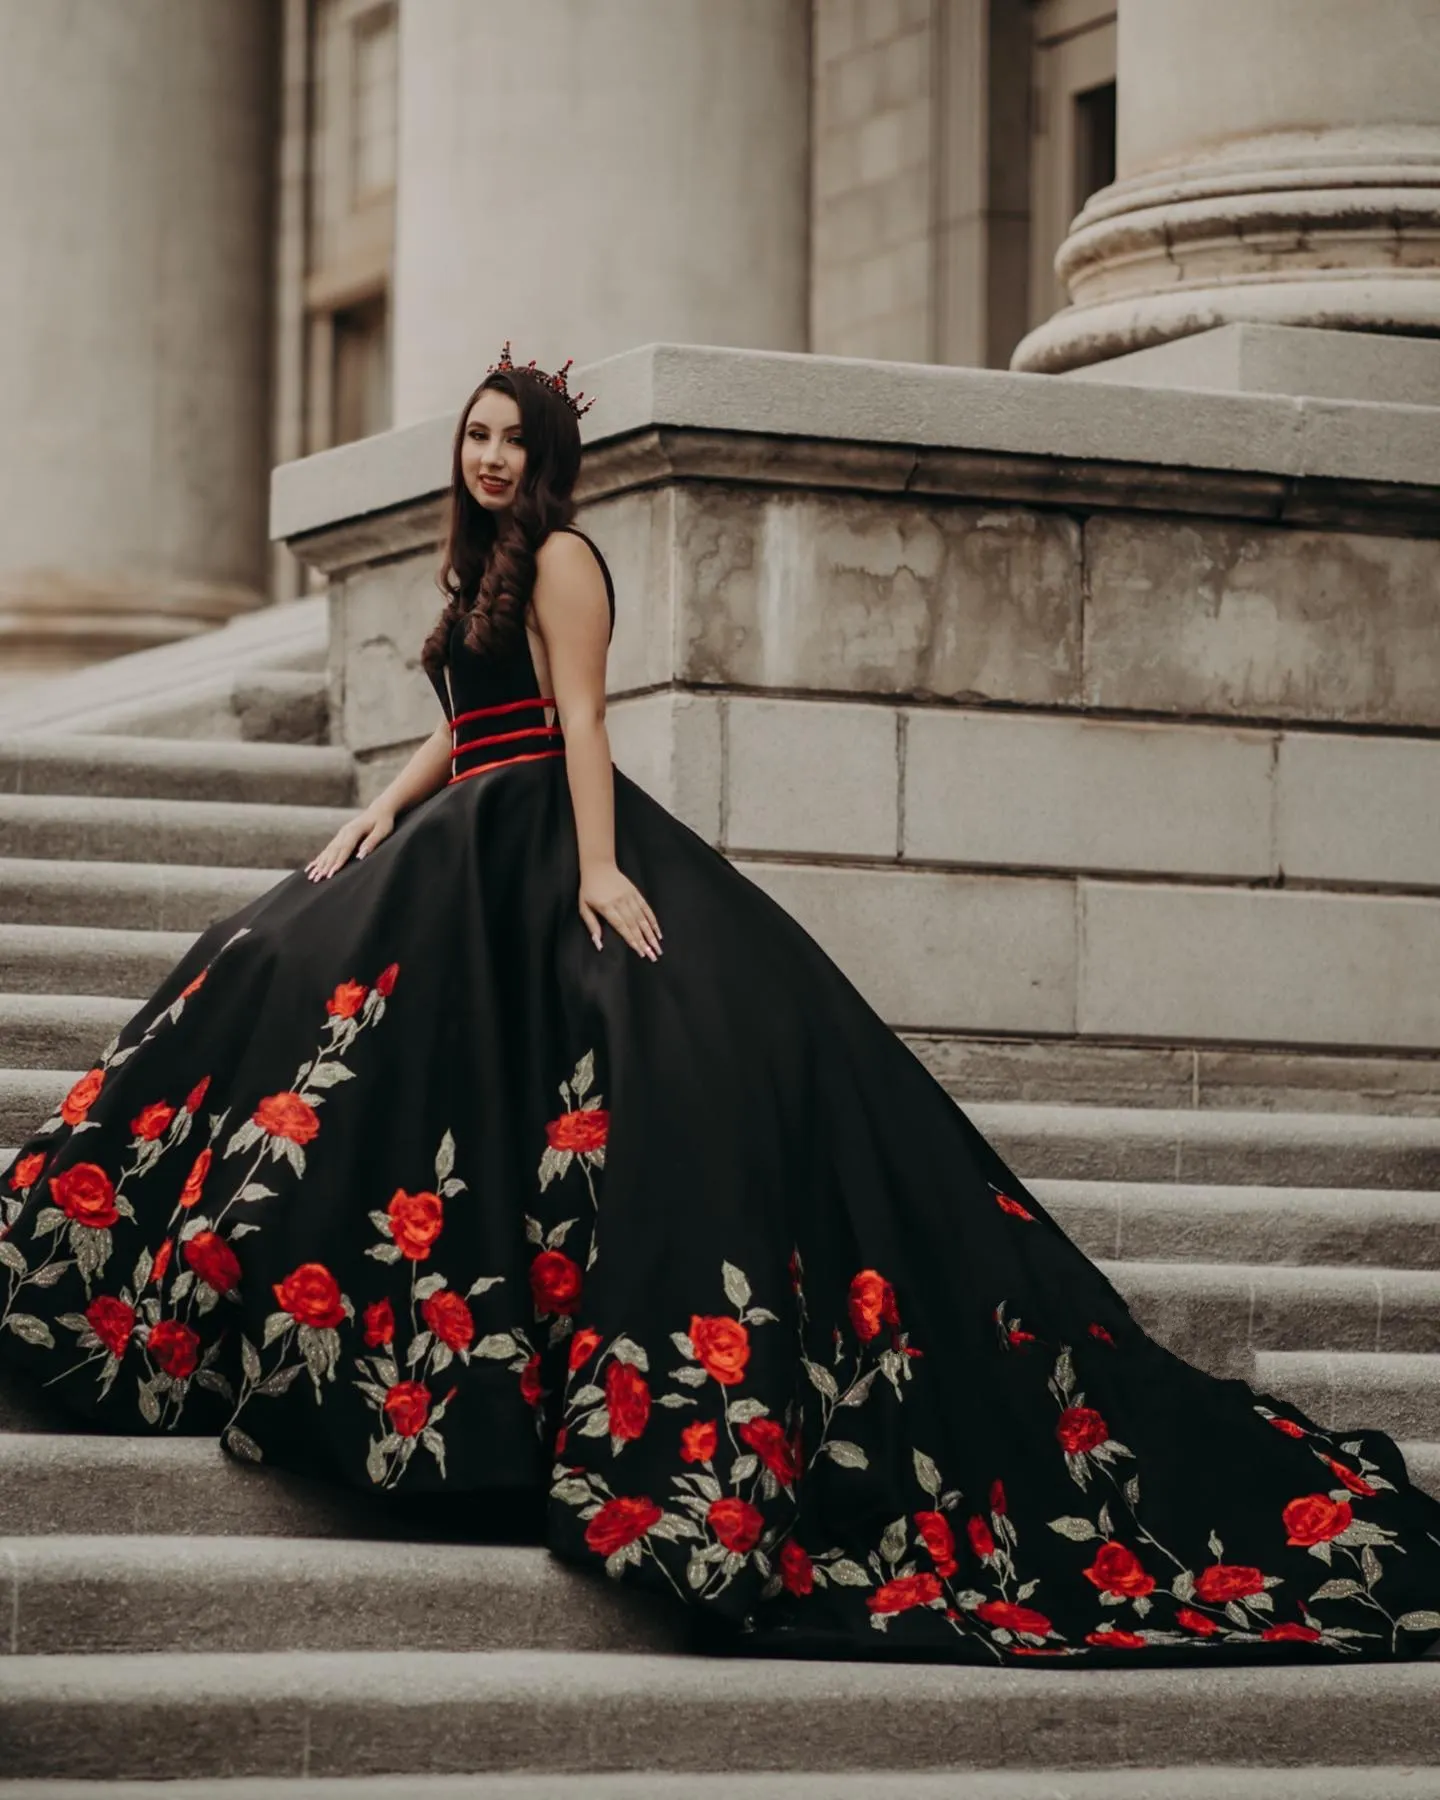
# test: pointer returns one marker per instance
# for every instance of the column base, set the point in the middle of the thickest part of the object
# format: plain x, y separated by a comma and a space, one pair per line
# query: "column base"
52, 621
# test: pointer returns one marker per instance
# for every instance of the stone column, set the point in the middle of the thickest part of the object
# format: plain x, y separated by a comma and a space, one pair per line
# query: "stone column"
1279, 163
582, 176
136, 167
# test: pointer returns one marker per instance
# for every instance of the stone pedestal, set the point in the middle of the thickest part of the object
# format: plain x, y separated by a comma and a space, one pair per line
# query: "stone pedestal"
1279, 162
581, 177
136, 153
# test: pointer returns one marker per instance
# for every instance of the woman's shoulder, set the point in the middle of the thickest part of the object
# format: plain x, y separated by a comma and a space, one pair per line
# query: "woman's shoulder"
567, 547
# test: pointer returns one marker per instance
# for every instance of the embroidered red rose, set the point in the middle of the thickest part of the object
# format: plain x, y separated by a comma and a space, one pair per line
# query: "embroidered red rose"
286, 1115
768, 1440
195, 1098
555, 1282
982, 1540
938, 1539
81, 1097
579, 1131
449, 1318
1357, 1484
872, 1304
1315, 1519
174, 1347
26, 1169
1289, 1427
904, 1592
187, 991
736, 1523
161, 1263
1115, 1640
1080, 1428
407, 1407
627, 1399
1223, 1582
620, 1522
112, 1321
415, 1222
385, 980
213, 1261
347, 1000
1190, 1620
1018, 1337
1101, 1335
562, 1437
311, 1295
583, 1346
1117, 1570
152, 1121
997, 1498
1013, 1207
797, 1572
1010, 1617
698, 1441
195, 1180
531, 1392
722, 1348
84, 1193
1290, 1631
379, 1324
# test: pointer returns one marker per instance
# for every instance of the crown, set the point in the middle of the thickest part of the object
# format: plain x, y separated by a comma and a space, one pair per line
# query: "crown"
555, 382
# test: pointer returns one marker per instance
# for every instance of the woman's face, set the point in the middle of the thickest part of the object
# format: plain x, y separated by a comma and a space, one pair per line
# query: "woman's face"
492, 456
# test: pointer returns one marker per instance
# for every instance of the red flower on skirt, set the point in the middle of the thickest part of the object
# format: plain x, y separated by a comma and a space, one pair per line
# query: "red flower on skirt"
797, 1572
736, 1523
112, 1321
213, 1261
81, 1097
311, 1295
174, 1347
997, 1498
579, 1131
904, 1592
627, 1398
187, 991
197, 1094
722, 1348
1315, 1519
1289, 1427
766, 1437
26, 1169
1357, 1484
347, 1000
84, 1193
620, 1522
1289, 1631
161, 1263
286, 1115
531, 1391
385, 980
1013, 1207
407, 1406
1190, 1620
583, 1346
379, 1324
1117, 1570
1223, 1582
1115, 1640
449, 1318
1081, 1428
938, 1539
1010, 1617
195, 1180
415, 1222
872, 1304
1101, 1335
698, 1441
152, 1121
556, 1283
982, 1539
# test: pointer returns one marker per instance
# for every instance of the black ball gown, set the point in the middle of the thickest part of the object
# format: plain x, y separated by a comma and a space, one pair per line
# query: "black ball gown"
398, 1181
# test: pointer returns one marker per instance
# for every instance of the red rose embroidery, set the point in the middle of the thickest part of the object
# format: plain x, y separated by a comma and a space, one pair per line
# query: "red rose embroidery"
698, 1441
379, 1324
347, 1000
1080, 1428
287, 1116
152, 1121
112, 1321
555, 1282
1357, 1484
1010, 1617
450, 1319
1018, 1337
1101, 1335
187, 991
26, 1169
174, 1347
531, 1392
938, 1539
982, 1540
196, 1096
872, 1304
627, 1398
415, 1222
583, 1346
161, 1263
1290, 1631
213, 1261
620, 1522
769, 1442
311, 1295
736, 1523
562, 1437
84, 1193
1117, 1570
407, 1406
81, 1097
1223, 1582
997, 1498
1013, 1207
195, 1180
385, 981
1315, 1519
1115, 1640
1190, 1620
722, 1348
579, 1131
904, 1592
797, 1572
1289, 1427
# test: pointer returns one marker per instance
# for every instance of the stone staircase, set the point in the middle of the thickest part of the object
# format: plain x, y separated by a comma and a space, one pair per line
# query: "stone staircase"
172, 1617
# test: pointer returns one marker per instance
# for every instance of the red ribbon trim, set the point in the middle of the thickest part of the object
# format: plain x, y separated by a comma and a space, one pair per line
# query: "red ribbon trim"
485, 768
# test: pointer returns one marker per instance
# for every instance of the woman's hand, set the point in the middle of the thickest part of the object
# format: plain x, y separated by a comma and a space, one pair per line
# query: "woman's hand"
607, 894
359, 836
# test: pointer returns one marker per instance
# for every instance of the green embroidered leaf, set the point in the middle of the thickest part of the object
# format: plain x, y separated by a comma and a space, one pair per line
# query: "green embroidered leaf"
927, 1474
445, 1158
11, 1257
1336, 1590
847, 1573
1079, 1531
737, 1288
847, 1455
1419, 1621
31, 1330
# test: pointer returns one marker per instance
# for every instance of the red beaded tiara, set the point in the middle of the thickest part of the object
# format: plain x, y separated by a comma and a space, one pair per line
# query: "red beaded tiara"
555, 382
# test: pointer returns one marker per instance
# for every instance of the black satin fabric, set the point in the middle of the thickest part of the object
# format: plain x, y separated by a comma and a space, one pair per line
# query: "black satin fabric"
397, 1181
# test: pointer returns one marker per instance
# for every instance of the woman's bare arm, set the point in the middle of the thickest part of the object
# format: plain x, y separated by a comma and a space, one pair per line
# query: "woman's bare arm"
573, 615
427, 770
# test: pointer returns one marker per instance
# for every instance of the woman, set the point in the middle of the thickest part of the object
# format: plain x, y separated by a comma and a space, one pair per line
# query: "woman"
415, 1176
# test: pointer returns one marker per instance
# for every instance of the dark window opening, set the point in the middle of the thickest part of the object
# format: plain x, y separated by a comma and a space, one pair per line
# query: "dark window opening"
1094, 141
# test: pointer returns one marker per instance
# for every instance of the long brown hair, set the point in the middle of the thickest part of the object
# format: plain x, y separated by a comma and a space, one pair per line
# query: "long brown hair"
487, 574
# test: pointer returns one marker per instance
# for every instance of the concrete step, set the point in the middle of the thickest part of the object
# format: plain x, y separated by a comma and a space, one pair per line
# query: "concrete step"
169, 769
84, 959
1299, 1149
57, 1031
134, 896
164, 1716
28, 1097
1345, 1390
283, 706
219, 833
73, 1595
